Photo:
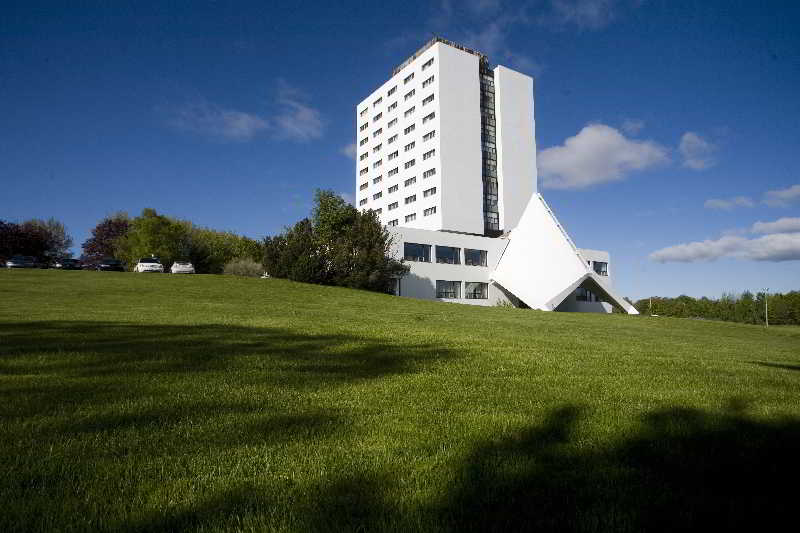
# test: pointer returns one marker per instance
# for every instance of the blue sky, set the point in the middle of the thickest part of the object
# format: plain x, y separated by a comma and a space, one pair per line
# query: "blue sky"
667, 131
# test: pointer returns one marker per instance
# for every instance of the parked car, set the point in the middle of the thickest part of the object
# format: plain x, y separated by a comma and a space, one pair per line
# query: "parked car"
182, 267
22, 261
149, 264
110, 264
67, 264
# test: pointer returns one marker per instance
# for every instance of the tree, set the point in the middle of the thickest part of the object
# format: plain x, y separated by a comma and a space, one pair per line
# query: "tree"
339, 245
152, 234
53, 234
101, 244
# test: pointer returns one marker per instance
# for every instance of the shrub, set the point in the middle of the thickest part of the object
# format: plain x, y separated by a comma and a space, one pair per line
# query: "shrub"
244, 267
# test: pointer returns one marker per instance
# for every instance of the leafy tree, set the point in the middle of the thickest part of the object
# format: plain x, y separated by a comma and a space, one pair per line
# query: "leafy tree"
339, 245
45, 239
152, 234
104, 236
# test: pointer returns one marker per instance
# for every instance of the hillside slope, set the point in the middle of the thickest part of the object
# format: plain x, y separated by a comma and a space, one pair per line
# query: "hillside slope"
155, 402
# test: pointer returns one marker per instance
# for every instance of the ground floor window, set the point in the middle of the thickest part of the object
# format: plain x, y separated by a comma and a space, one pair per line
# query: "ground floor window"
585, 295
448, 289
476, 290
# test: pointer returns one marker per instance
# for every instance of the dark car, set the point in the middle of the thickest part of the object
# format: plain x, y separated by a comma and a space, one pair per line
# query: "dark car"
67, 264
111, 265
22, 261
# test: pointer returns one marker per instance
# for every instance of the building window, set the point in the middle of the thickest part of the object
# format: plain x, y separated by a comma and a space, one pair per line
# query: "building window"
393, 188
392, 123
427, 64
408, 78
409, 94
363, 127
412, 217
410, 164
377, 163
392, 91
393, 155
409, 129
377, 132
448, 254
427, 82
379, 211
420, 253
585, 295
392, 106
363, 156
362, 202
363, 171
428, 136
378, 101
428, 154
376, 148
377, 117
377, 180
428, 100
429, 173
429, 192
476, 290
393, 206
392, 139
410, 199
601, 267
362, 112
409, 111
410, 181
429, 116
448, 289
363, 141
409, 146
377, 195
474, 257
429, 211
392, 222
363, 186
394, 171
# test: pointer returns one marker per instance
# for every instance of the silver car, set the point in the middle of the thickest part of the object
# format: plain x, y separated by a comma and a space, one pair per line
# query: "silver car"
182, 267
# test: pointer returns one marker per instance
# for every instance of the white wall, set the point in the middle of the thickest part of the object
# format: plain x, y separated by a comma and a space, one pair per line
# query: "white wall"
421, 280
516, 145
460, 130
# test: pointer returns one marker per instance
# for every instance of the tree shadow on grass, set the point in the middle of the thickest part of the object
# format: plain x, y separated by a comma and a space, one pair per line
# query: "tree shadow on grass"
777, 365
684, 470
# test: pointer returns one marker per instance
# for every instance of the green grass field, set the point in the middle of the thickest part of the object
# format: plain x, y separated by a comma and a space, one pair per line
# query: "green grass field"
214, 403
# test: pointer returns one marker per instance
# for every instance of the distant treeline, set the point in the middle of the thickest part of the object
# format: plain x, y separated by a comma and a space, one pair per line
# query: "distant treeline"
746, 307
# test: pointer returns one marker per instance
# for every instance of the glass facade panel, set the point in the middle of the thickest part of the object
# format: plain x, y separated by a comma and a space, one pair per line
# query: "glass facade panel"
476, 290
417, 252
448, 289
474, 257
448, 254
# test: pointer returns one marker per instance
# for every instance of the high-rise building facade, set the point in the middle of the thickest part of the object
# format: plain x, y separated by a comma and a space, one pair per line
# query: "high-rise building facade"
446, 157
433, 150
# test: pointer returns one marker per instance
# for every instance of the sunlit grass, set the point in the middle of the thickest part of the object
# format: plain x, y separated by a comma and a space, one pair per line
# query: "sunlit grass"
155, 402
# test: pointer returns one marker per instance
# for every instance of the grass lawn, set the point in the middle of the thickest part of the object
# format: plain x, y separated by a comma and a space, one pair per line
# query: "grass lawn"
214, 403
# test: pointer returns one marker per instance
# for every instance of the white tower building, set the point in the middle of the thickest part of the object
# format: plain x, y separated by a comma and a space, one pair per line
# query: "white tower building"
447, 159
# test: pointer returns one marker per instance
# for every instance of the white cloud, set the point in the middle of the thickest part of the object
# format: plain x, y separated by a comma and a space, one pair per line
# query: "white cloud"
349, 151
296, 120
782, 225
347, 197
728, 203
588, 14
782, 197
698, 153
211, 120
632, 126
597, 154
775, 247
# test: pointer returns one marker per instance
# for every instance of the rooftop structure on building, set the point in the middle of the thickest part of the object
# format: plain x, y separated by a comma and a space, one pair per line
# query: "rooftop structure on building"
446, 157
